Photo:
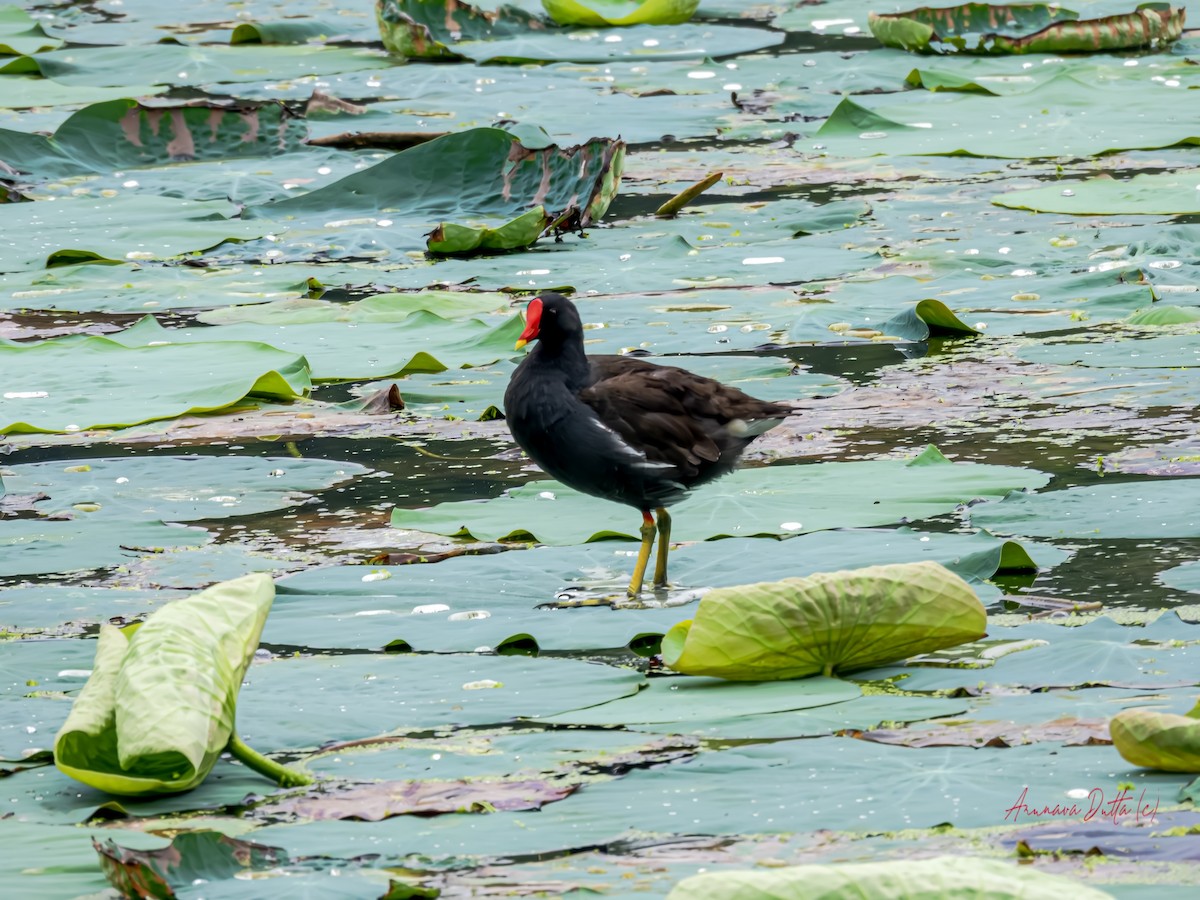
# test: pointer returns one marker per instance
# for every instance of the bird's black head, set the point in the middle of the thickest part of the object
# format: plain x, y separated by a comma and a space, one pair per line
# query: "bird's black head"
552, 319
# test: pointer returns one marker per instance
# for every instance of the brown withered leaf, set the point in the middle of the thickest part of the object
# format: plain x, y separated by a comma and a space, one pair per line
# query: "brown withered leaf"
1064, 730
372, 802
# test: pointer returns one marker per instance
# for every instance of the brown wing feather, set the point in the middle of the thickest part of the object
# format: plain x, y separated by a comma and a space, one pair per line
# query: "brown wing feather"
670, 414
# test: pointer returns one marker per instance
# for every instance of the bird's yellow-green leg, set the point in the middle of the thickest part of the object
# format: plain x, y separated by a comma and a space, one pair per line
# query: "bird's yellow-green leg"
664, 546
639, 570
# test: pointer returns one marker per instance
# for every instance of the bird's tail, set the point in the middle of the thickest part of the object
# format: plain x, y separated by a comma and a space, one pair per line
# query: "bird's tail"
752, 428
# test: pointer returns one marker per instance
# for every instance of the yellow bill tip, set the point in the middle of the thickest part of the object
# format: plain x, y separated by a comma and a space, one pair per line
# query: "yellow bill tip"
521, 343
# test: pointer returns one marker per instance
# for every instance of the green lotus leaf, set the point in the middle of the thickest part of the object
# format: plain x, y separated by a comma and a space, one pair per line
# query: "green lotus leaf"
426, 29
600, 13
1171, 193
1024, 28
77, 383
967, 877
21, 35
779, 500
377, 308
118, 134
826, 623
450, 239
479, 172
927, 318
158, 709
1164, 315
1157, 740
1044, 122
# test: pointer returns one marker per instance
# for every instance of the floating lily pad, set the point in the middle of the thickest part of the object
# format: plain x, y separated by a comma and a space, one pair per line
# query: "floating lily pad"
1053, 120
175, 488
379, 308
781, 500
177, 64
960, 876
680, 700
1164, 314
114, 230
369, 608
1168, 507
1040, 655
1180, 351
421, 342
1184, 578
1170, 193
504, 178
125, 133
399, 692
79, 383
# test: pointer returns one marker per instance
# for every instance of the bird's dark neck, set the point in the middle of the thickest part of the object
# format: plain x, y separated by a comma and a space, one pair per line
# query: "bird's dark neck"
567, 358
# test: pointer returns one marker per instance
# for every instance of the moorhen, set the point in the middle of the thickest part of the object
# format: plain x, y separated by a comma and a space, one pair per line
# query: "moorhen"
622, 428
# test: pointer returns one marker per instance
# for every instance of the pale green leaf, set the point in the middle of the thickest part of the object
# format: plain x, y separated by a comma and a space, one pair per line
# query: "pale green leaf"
1157, 740
599, 13
160, 706
825, 623
971, 878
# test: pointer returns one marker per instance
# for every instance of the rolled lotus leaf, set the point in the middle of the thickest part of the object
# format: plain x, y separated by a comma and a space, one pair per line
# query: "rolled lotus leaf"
965, 877
1157, 740
825, 623
159, 707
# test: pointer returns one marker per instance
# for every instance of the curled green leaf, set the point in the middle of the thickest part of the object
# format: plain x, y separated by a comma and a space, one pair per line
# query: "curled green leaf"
928, 318
1157, 740
159, 707
827, 623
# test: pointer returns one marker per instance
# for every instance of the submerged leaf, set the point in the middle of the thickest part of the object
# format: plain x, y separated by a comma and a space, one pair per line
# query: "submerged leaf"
192, 857
825, 623
1157, 740
159, 707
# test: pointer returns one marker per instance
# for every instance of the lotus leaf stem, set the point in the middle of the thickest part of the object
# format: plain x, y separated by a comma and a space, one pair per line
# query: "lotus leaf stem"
268, 768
